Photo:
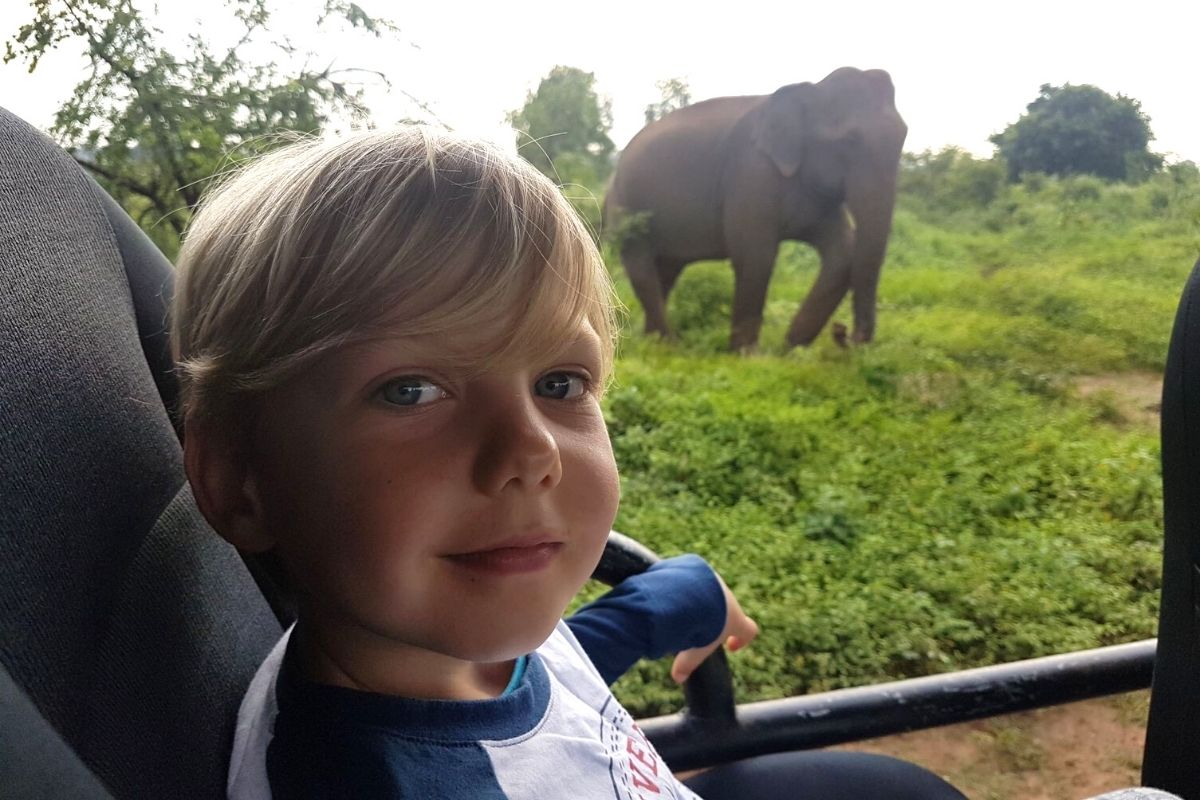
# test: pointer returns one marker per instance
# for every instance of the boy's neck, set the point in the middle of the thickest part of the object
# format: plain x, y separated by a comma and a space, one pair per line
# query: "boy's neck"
369, 663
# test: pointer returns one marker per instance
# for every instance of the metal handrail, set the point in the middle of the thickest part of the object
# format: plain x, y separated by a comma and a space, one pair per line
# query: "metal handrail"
686, 741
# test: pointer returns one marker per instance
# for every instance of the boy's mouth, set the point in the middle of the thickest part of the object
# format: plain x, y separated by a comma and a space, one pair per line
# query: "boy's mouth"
509, 559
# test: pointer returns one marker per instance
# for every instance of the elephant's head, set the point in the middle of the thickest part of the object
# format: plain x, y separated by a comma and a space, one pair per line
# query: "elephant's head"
844, 135
849, 112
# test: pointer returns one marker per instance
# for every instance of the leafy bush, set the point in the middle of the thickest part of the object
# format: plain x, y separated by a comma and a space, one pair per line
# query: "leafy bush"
951, 178
960, 192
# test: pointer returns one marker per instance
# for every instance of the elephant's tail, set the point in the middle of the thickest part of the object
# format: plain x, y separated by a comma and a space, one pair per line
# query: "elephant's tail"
606, 213
610, 211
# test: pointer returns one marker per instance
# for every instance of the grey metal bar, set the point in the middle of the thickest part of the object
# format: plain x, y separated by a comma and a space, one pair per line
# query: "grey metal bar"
865, 712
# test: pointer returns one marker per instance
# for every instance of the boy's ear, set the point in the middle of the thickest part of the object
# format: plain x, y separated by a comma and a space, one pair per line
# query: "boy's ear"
223, 483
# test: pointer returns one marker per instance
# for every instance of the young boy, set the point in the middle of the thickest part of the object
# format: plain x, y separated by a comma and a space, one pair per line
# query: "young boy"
392, 350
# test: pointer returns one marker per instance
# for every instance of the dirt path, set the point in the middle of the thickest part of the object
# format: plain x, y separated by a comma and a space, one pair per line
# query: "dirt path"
1133, 397
1063, 753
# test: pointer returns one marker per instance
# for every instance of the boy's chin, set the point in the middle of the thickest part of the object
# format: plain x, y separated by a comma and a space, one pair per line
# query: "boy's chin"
502, 644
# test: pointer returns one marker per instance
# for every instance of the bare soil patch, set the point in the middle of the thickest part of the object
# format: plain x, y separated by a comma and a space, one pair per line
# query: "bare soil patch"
1067, 752
1133, 398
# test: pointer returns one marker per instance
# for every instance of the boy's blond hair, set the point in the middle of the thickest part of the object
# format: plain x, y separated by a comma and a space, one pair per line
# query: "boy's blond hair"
413, 231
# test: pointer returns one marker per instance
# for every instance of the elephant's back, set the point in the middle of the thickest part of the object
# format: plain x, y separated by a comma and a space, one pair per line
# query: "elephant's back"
707, 119
673, 166
688, 140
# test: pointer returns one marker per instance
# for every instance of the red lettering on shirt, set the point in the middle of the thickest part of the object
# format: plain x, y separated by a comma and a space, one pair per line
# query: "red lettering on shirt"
643, 777
642, 781
643, 754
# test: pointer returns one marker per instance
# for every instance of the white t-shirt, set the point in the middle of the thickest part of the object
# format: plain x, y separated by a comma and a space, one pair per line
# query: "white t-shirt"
560, 734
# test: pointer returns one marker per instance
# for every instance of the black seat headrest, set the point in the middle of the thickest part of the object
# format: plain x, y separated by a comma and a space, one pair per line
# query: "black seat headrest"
124, 620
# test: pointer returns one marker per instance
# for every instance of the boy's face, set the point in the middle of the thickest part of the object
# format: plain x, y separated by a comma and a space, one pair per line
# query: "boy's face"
418, 505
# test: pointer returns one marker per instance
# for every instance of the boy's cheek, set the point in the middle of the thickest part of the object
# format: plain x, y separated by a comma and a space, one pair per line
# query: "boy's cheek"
606, 485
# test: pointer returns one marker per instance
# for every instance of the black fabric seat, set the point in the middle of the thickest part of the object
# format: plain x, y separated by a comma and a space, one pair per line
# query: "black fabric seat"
1172, 757
128, 631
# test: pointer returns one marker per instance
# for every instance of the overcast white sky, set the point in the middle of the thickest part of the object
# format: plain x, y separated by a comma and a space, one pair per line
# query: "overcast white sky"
963, 70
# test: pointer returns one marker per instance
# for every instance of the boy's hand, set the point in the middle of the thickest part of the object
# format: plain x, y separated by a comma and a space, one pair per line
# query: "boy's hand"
739, 631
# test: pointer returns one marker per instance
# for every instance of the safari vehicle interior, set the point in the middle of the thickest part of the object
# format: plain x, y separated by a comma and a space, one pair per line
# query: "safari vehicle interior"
128, 631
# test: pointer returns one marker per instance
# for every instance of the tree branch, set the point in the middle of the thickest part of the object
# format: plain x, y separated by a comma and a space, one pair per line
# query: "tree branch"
155, 119
120, 180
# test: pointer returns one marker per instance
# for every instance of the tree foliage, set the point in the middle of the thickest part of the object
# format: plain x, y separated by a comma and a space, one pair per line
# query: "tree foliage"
153, 125
1080, 129
675, 94
563, 127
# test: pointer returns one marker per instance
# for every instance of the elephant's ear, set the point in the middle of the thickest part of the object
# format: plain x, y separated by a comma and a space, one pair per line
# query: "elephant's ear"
780, 131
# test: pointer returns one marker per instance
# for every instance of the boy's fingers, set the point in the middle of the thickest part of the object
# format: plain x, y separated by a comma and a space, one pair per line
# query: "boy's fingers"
745, 630
738, 623
686, 661
742, 635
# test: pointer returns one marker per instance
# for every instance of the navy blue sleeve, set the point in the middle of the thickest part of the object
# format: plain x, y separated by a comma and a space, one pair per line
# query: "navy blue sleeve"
675, 605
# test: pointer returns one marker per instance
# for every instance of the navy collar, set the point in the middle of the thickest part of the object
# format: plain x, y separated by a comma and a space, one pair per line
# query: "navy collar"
303, 702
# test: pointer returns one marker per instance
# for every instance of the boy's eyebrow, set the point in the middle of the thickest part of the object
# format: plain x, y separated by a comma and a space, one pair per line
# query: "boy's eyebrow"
452, 351
588, 340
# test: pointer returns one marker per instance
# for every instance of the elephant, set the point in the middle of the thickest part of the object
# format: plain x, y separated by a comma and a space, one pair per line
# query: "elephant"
732, 177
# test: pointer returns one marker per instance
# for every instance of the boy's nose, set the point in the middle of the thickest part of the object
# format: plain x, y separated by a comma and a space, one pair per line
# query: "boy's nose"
519, 450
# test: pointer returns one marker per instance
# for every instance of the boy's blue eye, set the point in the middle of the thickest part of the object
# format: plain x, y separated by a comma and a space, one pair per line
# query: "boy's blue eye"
560, 385
409, 391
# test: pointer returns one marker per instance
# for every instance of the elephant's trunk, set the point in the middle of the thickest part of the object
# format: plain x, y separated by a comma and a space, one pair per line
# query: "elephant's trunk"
871, 199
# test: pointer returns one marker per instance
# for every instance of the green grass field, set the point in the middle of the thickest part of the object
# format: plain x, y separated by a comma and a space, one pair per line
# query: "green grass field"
943, 498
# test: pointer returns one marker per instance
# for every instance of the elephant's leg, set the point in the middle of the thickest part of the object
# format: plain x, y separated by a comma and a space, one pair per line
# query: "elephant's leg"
834, 240
866, 289
668, 273
753, 263
642, 268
